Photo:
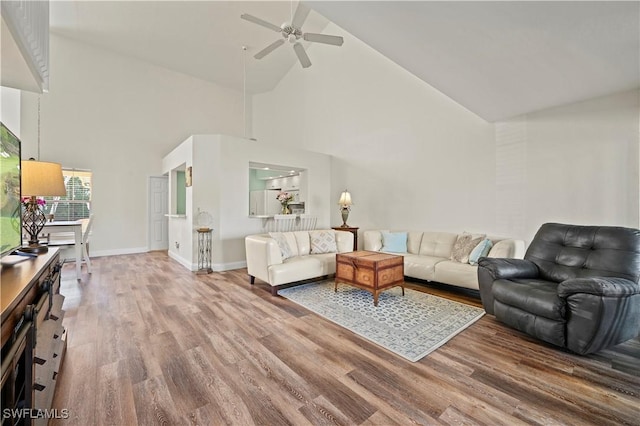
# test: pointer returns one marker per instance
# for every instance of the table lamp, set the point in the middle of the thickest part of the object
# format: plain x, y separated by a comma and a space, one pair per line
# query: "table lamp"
345, 206
39, 179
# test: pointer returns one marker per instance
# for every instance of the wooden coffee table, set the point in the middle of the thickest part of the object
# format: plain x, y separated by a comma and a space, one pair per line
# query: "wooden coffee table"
370, 271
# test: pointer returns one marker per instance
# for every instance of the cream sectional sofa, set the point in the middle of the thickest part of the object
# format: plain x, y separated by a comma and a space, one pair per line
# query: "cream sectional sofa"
428, 256
265, 257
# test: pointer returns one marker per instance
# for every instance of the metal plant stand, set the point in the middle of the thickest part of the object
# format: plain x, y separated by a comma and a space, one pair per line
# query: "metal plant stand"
204, 251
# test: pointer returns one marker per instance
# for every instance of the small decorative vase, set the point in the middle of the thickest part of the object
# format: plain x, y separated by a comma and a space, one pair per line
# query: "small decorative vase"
285, 209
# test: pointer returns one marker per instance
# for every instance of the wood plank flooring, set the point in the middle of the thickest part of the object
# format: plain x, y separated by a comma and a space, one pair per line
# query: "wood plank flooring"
152, 343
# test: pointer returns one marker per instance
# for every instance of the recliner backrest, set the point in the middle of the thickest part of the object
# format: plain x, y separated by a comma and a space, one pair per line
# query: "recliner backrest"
563, 252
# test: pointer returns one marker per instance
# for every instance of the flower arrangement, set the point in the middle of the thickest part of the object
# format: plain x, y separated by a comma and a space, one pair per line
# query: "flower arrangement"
285, 198
32, 202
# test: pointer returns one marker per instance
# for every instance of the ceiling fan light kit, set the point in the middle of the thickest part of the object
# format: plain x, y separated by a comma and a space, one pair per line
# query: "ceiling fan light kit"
293, 33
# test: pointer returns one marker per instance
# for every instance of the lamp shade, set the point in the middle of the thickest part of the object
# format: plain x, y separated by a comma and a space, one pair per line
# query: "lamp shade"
345, 199
40, 178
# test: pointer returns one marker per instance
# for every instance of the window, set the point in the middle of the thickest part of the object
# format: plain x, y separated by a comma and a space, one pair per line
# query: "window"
77, 203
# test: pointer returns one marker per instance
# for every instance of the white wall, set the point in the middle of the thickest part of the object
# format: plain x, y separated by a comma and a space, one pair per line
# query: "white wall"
221, 188
414, 159
180, 227
118, 117
579, 164
411, 157
10, 109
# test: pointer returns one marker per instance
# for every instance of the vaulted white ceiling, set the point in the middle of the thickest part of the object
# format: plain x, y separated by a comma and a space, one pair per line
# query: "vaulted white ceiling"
497, 59
203, 39
504, 58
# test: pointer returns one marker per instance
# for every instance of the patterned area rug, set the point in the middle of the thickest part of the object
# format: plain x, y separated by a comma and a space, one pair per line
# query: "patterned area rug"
411, 326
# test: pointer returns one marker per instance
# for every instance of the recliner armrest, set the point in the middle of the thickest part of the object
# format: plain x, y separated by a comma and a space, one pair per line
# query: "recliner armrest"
504, 268
599, 286
601, 312
491, 269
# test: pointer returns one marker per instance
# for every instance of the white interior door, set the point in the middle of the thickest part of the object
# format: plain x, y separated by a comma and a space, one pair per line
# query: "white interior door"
158, 208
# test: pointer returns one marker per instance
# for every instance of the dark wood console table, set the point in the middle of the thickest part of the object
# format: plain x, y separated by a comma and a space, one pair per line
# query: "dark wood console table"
33, 338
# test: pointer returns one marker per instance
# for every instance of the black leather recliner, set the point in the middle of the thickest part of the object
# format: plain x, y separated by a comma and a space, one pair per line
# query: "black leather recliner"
577, 287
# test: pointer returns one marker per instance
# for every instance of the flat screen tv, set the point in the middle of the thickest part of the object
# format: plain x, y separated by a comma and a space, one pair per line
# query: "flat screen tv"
10, 210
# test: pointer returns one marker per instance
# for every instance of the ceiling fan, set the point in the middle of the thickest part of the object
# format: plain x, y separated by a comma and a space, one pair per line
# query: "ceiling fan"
292, 33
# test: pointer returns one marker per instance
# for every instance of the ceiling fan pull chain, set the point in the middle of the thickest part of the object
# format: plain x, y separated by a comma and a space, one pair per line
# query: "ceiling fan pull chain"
244, 90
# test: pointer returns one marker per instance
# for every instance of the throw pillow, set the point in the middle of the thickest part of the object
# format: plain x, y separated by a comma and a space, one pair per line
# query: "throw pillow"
463, 246
323, 242
481, 250
394, 242
502, 248
281, 239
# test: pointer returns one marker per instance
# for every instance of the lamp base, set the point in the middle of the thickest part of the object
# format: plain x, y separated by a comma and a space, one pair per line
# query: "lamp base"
345, 216
33, 220
34, 248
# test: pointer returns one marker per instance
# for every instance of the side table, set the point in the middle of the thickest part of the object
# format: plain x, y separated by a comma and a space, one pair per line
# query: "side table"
204, 251
354, 231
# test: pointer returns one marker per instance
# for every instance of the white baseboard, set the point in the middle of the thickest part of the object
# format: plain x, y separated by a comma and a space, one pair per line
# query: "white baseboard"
184, 262
219, 267
117, 252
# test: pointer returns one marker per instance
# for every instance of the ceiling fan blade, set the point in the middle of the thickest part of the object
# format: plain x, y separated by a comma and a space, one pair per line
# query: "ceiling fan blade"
323, 38
302, 55
270, 48
300, 16
259, 21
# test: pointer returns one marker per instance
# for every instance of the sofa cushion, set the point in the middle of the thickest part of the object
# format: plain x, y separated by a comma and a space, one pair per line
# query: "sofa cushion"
463, 246
456, 273
286, 250
328, 261
538, 297
394, 242
303, 242
323, 242
302, 268
344, 241
437, 244
294, 269
504, 248
413, 242
373, 240
420, 266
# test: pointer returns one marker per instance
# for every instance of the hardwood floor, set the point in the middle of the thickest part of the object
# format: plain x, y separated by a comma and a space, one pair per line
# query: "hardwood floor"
152, 343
